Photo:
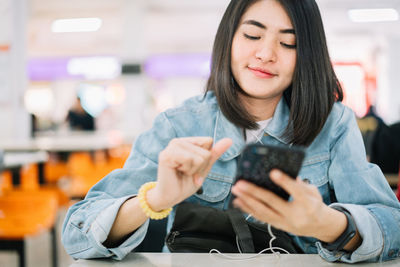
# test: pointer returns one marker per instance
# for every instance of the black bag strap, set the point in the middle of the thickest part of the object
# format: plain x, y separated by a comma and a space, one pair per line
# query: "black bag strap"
242, 230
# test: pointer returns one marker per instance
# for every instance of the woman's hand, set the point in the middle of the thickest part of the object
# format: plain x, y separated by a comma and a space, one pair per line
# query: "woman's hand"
182, 167
305, 215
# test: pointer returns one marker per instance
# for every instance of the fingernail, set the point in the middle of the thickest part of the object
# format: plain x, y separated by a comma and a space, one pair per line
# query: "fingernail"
234, 190
240, 184
275, 174
199, 180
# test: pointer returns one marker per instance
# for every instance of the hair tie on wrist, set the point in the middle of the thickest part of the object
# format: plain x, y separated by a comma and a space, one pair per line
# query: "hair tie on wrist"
145, 205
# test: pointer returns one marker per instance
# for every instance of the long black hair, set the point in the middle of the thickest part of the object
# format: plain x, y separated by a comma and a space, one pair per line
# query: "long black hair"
314, 88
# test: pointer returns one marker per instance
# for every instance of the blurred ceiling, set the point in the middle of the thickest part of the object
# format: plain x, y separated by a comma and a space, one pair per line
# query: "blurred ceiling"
165, 26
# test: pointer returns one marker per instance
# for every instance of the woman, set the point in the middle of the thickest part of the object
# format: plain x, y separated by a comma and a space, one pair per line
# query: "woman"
271, 82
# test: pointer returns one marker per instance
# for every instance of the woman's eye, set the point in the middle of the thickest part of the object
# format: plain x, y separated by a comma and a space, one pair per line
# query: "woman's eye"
288, 45
251, 37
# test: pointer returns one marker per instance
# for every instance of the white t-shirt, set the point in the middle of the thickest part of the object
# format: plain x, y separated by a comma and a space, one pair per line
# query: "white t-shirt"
254, 136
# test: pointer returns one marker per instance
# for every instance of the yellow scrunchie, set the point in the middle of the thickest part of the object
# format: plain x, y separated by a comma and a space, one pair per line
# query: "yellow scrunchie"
145, 206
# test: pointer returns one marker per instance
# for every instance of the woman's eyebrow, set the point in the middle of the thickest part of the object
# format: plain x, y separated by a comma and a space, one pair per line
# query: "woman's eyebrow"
291, 31
255, 23
262, 26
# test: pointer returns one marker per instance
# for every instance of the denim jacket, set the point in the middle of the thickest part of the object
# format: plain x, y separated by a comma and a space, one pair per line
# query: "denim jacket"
335, 163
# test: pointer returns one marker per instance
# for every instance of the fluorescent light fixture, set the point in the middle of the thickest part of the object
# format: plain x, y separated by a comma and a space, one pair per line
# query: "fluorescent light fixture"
76, 25
373, 15
39, 101
94, 67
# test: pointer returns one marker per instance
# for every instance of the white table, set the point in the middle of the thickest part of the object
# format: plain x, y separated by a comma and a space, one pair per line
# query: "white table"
18, 159
68, 141
210, 260
14, 161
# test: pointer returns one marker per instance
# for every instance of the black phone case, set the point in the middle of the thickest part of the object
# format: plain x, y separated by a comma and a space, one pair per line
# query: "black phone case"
258, 160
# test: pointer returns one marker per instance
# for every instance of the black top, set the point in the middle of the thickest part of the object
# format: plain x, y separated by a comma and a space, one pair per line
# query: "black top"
80, 121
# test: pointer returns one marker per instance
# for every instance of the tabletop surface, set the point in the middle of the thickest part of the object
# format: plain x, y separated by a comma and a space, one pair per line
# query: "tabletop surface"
69, 141
16, 159
198, 259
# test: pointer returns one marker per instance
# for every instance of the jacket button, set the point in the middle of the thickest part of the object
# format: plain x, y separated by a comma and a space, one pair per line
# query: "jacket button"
307, 181
200, 191
80, 225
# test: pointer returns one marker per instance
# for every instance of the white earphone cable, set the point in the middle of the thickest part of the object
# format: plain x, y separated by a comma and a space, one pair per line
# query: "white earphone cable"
270, 248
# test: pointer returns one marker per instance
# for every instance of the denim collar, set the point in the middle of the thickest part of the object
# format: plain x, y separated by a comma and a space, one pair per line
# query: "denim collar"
224, 128
279, 121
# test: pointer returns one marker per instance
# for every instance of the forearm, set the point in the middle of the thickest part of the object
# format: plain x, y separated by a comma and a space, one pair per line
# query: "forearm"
129, 218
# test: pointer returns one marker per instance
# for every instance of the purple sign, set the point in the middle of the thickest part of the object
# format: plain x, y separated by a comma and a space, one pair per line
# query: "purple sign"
175, 65
49, 69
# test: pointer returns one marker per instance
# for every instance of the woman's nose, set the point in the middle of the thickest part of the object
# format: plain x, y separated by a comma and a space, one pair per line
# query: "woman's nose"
266, 53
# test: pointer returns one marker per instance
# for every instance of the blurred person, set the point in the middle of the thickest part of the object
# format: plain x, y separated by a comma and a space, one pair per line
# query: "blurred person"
79, 119
272, 82
370, 125
385, 148
382, 141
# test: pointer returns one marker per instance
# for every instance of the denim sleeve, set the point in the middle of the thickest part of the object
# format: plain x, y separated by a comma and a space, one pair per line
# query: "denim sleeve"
88, 222
361, 188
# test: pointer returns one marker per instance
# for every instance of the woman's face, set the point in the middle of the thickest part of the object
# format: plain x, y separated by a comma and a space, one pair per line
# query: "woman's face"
264, 50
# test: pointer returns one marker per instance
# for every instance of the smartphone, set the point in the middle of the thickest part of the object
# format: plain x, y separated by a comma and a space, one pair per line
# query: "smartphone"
258, 160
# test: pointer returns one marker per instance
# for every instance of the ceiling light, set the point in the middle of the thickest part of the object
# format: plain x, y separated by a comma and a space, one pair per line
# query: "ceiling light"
39, 101
373, 15
76, 25
94, 67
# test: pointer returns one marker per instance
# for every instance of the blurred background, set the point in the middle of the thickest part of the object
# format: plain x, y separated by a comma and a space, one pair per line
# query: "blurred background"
80, 79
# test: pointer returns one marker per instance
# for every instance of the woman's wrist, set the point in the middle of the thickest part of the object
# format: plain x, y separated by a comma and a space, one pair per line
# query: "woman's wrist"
154, 200
331, 225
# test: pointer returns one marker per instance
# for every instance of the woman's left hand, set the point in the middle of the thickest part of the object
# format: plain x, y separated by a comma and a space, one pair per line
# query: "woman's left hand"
305, 215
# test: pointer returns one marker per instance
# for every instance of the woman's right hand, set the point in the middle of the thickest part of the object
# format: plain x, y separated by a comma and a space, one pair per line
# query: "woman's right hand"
182, 167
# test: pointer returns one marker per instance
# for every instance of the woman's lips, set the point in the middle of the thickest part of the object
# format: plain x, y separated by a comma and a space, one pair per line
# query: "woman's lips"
262, 73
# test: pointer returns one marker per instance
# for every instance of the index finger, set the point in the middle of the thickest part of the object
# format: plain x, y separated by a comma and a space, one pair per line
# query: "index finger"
216, 152
219, 148
202, 141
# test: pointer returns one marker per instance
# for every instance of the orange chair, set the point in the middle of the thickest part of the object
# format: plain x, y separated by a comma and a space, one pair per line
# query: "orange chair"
26, 215
118, 156
54, 170
106, 162
28, 191
81, 170
85, 172
5, 182
101, 164
29, 181
29, 177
